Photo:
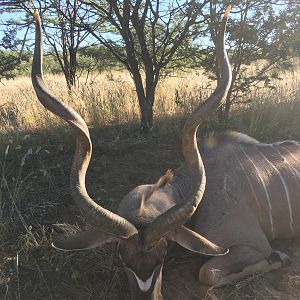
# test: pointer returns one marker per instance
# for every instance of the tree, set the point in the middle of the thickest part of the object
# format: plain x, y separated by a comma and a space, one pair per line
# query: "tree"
59, 24
64, 37
143, 36
11, 48
260, 32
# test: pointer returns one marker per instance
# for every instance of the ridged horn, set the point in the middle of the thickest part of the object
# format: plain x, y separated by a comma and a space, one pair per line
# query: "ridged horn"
106, 220
179, 214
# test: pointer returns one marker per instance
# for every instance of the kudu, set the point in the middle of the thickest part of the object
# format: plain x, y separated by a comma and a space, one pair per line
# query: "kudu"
250, 197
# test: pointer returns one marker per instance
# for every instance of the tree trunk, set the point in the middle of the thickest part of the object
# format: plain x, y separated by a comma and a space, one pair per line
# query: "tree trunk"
70, 69
146, 119
227, 108
224, 110
146, 99
146, 108
220, 116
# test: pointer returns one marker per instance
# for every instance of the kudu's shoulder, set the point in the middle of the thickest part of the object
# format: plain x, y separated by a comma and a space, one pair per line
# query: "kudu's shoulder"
217, 141
220, 147
235, 137
230, 145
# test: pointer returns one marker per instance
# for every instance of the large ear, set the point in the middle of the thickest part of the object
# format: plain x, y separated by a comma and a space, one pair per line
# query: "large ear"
193, 241
85, 240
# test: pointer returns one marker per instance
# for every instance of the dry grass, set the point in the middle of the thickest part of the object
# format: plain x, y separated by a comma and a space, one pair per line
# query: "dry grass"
36, 154
110, 99
107, 100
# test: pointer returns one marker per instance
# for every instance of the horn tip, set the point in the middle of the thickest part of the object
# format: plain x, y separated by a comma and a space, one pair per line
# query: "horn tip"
36, 16
227, 12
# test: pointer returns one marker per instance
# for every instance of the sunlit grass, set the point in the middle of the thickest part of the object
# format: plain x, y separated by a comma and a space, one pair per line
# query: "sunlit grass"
110, 99
107, 100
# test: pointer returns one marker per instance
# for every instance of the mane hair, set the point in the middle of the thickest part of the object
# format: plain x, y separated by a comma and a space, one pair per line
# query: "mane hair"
214, 140
240, 138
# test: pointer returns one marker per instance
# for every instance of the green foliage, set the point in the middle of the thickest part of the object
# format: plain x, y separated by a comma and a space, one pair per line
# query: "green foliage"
8, 62
10, 59
96, 58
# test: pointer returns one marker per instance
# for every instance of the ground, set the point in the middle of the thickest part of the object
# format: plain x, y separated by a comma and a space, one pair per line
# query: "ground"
30, 269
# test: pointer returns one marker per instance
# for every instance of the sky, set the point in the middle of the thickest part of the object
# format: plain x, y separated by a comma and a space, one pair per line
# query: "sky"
4, 17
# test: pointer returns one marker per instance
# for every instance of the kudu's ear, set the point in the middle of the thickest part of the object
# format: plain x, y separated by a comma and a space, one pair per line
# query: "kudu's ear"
193, 241
89, 239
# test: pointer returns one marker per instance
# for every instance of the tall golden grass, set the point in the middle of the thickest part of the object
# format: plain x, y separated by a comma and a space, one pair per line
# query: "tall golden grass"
111, 99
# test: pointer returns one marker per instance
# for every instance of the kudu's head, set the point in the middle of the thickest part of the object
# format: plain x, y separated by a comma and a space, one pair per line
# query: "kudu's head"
148, 217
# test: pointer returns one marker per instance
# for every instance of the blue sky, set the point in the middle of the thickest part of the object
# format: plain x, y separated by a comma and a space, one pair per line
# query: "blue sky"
5, 17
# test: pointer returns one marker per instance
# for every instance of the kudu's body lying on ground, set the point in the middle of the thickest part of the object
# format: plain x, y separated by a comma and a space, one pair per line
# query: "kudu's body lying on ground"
250, 198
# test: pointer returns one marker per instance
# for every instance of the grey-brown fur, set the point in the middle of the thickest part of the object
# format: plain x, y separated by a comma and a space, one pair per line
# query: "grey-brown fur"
235, 212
